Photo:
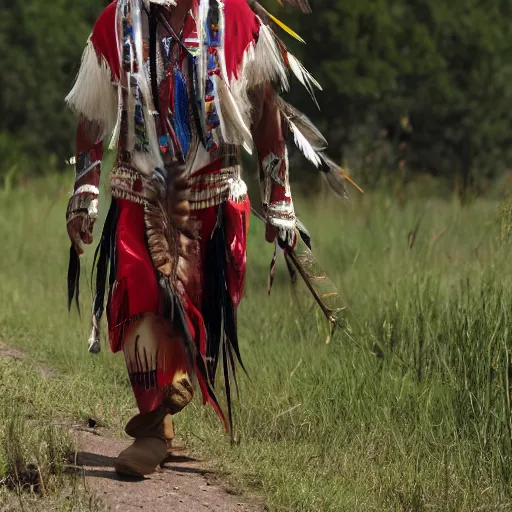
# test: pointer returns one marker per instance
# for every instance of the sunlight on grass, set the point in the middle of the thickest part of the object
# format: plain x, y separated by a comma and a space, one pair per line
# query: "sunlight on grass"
407, 410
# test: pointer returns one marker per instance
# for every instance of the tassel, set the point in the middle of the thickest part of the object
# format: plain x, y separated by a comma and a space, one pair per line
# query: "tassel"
219, 315
103, 256
73, 278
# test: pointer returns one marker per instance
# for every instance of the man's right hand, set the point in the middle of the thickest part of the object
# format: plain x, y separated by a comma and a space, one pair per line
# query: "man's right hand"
80, 232
80, 222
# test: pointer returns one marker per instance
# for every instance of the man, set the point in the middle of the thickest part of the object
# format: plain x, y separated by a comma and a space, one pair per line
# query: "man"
182, 87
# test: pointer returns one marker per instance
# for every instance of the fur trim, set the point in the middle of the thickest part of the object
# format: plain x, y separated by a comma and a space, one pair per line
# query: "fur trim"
93, 96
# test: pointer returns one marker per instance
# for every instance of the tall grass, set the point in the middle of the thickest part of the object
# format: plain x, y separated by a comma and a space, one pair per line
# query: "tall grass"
408, 409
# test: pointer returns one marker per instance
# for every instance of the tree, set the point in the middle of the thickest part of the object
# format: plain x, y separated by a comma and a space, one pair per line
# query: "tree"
40, 47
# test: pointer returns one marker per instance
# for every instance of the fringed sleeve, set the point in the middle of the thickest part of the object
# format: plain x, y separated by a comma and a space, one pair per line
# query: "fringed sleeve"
94, 96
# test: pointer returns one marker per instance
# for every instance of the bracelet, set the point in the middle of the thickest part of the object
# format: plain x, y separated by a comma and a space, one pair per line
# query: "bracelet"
87, 189
82, 205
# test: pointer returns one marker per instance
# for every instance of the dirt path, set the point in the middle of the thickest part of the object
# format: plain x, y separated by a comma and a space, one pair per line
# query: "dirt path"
182, 486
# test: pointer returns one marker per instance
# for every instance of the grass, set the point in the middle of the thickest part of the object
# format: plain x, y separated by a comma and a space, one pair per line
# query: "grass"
407, 410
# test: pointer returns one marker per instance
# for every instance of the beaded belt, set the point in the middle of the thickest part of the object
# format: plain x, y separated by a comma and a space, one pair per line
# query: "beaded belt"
217, 187
205, 189
128, 183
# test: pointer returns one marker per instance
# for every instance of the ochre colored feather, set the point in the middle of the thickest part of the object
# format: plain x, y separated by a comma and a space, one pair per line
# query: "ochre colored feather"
266, 17
284, 27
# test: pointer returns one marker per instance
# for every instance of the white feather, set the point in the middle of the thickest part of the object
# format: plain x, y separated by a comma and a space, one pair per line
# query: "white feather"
302, 73
304, 76
220, 49
305, 147
233, 127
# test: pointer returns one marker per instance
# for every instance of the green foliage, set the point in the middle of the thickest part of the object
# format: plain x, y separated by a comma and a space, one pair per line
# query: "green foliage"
444, 66
40, 47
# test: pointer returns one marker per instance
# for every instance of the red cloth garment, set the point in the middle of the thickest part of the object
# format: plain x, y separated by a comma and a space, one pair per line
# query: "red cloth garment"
242, 29
136, 289
236, 219
103, 38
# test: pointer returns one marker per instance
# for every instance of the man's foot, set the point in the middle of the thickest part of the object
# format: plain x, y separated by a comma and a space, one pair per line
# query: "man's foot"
149, 448
172, 448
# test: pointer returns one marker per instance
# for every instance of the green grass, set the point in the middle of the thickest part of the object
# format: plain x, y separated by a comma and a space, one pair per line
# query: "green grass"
408, 410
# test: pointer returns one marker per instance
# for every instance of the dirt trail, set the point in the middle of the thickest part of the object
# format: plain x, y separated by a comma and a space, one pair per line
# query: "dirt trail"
182, 486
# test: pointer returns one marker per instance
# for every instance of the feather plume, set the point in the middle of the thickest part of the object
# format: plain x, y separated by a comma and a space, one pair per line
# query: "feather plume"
286, 28
233, 127
219, 314
304, 145
267, 17
304, 76
303, 124
336, 176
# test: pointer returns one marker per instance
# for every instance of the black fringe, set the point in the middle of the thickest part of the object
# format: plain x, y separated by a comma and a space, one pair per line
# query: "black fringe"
304, 234
291, 269
174, 312
219, 314
73, 278
105, 256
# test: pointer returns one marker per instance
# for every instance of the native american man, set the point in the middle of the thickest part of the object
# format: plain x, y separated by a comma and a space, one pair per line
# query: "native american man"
180, 89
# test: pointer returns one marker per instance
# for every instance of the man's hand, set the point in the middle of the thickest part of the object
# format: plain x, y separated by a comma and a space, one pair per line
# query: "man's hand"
81, 215
80, 232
